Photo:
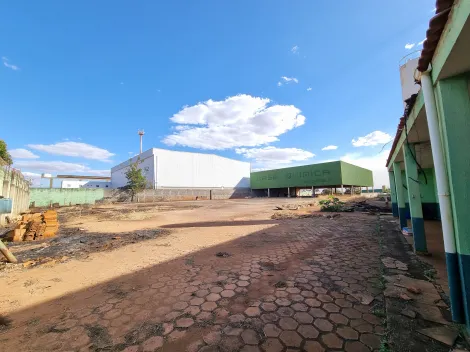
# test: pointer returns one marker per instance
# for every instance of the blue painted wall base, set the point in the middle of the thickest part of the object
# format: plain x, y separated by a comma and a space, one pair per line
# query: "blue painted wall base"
395, 209
419, 237
464, 264
430, 211
402, 216
455, 287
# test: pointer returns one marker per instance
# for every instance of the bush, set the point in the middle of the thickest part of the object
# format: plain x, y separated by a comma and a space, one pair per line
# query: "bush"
332, 204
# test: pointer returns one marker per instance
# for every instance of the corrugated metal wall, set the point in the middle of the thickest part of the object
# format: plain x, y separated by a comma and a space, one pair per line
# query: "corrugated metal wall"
196, 170
355, 175
118, 172
324, 174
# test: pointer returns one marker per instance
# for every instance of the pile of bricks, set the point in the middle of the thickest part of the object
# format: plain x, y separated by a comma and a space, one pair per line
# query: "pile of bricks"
35, 227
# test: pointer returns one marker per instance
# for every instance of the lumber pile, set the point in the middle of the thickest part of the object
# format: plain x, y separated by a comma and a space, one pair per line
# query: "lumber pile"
35, 227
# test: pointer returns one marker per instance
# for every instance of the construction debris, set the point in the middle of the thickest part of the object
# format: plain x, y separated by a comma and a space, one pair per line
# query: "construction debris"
293, 206
222, 254
369, 208
442, 334
6, 252
392, 263
35, 227
408, 313
287, 216
362, 296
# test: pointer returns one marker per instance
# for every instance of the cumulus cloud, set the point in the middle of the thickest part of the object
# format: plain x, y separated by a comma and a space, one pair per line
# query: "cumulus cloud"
373, 138
237, 121
295, 49
272, 155
309, 89
58, 167
372, 162
421, 42
21, 153
409, 46
330, 147
76, 149
7, 64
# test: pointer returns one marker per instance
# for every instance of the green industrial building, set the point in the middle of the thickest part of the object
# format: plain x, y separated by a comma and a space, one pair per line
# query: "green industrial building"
301, 181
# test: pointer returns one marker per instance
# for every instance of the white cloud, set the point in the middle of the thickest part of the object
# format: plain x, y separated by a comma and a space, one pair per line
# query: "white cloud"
295, 49
279, 83
289, 79
309, 89
373, 138
58, 167
33, 177
21, 153
272, 155
330, 147
409, 46
76, 149
421, 42
237, 121
7, 64
376, 163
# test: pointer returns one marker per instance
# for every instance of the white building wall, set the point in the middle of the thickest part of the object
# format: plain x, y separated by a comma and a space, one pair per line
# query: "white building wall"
408, 85
72, 183
197, 170
85, 184
186, 170
147, 164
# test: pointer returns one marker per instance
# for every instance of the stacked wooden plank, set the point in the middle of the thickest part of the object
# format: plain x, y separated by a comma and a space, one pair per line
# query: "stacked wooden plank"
35, 227
51, 224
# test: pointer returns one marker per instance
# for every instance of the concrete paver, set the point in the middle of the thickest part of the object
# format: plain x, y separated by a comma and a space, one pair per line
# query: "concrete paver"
280, 290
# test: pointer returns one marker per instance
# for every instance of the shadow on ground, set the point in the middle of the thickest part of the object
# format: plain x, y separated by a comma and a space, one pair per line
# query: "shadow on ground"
276, 289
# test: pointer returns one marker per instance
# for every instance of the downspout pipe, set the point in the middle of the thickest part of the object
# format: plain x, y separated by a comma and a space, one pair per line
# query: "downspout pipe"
443, 192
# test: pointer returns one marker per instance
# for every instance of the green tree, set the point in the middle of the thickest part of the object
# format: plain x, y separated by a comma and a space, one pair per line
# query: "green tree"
4, 155
136, 182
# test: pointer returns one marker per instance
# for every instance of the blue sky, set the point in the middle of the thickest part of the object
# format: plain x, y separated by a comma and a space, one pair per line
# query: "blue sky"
271, 82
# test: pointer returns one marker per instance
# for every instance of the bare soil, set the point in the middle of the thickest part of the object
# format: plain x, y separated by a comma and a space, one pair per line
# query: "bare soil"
99, 243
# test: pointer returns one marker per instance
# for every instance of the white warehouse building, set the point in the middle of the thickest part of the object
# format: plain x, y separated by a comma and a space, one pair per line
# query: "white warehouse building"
173, 169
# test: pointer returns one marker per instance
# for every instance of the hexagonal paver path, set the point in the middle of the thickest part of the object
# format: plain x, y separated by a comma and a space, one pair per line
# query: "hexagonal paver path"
285, 289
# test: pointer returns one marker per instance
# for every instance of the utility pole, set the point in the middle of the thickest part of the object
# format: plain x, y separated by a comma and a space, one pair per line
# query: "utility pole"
141, 134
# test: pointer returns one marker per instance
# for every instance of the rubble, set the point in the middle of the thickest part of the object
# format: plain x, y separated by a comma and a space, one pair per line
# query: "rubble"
35, 227
222, 254
392, 263
287, 216
361, 296
294, 206
442, 334
369, 208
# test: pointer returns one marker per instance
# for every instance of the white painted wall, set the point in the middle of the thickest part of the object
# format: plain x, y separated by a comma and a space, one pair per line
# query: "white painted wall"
186, 170
197, 170
408, 86
72, 183
85, 184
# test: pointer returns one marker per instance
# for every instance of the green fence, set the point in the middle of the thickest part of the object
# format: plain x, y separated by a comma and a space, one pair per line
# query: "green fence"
43, 197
